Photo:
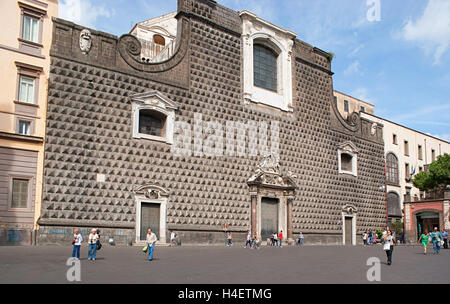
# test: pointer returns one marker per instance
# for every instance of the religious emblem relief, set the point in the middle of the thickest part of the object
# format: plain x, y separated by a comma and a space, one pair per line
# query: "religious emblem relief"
373, 129
85, 41
269, 164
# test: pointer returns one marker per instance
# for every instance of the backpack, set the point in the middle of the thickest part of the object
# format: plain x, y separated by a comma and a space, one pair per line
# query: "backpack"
99, 245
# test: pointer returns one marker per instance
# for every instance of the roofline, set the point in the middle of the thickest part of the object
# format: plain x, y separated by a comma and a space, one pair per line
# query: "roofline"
354, 98
440, 139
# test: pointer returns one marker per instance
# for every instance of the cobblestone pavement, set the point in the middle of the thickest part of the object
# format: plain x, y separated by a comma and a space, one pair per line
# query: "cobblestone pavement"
234, 265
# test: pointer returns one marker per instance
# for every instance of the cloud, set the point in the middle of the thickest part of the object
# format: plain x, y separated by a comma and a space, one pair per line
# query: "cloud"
363, 94
438, 112
353, 68
83, 12
431, 30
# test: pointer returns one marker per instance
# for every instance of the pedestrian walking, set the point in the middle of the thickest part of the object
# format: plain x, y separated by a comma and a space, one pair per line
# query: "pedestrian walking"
77, 239
92, 245
436, 238
424, 238
370, 237
249, 239
280, 237
173, 239
229, 239
151, 240
364, 237
300, 239
388, 246
275, 239
445, 238
272, 239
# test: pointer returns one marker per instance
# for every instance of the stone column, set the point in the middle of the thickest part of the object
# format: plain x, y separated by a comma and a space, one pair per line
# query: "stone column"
254, 199
290, 233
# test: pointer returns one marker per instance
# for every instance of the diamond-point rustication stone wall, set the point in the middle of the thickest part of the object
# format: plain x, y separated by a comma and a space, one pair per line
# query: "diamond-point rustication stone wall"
89, 133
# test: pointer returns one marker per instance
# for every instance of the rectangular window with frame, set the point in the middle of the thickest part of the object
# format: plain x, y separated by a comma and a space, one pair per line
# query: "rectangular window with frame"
26, 89
433, 155
419, 152
346, 108
407, 172
24, 127
30, 29
363, 109
406, 148
19, 197
394, 139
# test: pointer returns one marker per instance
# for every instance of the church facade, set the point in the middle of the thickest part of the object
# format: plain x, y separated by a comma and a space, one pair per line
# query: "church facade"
236, 131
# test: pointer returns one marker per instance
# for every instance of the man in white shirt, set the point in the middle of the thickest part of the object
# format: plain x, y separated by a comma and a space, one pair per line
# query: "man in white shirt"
151, 240
172, 239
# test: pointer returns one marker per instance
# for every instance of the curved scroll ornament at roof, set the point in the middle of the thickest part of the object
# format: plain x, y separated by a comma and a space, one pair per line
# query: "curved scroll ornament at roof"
352, 123
152, 191
130, 50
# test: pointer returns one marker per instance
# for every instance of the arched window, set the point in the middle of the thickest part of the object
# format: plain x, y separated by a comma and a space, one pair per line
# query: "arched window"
158, 39
392, 169
264, 67
394, 208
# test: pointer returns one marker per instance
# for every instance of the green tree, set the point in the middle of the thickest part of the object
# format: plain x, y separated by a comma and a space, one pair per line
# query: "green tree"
437, 177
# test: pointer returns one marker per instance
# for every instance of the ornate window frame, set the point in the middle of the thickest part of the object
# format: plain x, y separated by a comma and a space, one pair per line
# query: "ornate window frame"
157, 102
281, 41
350, 149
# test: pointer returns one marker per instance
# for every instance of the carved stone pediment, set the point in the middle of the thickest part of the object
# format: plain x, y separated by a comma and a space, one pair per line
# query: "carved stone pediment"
152, 191
349, 147
349, 209
156, 100
268, 174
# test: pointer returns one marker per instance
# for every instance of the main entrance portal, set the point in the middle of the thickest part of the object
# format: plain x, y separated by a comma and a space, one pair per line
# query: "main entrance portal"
149, 219
269, 217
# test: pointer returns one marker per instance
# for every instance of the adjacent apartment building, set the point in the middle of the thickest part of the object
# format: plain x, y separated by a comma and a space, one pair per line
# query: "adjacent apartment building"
235, 130
25, 60
407, 152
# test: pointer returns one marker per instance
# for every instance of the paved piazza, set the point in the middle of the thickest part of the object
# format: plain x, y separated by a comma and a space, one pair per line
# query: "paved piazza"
216, 265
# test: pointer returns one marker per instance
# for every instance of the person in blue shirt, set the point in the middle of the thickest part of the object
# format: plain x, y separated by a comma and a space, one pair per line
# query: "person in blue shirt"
436, 238
445, 237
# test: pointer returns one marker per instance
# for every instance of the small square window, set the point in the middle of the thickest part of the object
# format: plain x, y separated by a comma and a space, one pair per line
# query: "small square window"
26, 89
19, 193
363, 109
24, 127
30, 29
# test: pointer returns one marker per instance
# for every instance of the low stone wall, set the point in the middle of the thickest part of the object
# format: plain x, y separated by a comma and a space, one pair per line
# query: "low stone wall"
53, 235
14, 237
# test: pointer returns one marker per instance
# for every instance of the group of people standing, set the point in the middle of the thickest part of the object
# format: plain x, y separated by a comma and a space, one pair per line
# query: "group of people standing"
369, 238
436, 237
274, 238
94, 244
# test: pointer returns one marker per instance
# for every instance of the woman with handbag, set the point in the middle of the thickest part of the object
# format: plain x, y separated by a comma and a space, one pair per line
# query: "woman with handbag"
388, 246
77, 239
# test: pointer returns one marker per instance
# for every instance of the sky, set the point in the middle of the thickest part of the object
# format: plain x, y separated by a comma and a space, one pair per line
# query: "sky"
392, 54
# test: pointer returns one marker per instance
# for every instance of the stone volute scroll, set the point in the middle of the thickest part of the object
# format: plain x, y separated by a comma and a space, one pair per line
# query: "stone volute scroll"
130, 50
